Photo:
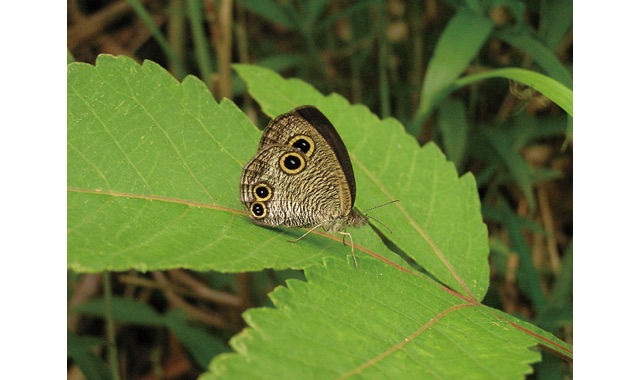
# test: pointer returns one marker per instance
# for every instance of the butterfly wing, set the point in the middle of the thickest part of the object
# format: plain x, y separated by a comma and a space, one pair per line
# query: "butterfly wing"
307, 121
301, 175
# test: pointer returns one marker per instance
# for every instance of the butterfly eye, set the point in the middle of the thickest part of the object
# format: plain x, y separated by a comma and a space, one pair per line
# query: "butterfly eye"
258, 210
304, 144
292, 163
262, 192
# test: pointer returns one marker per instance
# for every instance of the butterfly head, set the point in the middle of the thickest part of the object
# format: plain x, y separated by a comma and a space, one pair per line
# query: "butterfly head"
353, 219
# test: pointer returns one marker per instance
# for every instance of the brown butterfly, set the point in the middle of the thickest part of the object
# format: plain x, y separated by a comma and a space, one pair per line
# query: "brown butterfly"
302, 176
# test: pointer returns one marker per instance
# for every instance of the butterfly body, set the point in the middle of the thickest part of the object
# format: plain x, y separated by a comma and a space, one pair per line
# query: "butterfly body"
301, 175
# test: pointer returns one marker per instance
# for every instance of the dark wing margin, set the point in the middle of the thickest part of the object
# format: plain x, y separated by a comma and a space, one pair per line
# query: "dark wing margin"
328, 131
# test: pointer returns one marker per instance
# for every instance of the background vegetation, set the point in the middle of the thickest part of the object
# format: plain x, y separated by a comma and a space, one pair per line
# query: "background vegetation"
429, 64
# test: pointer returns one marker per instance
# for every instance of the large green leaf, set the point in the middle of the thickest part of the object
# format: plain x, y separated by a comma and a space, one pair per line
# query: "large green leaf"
153, 172
437, 221
399, 326
153, 178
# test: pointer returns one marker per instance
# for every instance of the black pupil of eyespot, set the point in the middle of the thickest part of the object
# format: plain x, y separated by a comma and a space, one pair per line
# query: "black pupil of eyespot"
257, 209
302, 145
292, 162
262, 191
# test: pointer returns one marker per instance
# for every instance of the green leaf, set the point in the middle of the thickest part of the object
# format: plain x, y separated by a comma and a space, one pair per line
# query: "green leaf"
153, 181
153, 173
523, 39
544, 338
437, 221
401, 326
549, 87
459, 43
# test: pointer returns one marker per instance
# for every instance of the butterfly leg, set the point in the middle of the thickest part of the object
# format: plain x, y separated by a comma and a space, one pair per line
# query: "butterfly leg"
352, 250
305, 234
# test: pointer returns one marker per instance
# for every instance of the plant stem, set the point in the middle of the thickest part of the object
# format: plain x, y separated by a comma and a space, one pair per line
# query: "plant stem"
111, 331
220, 22
194, 10
176, 34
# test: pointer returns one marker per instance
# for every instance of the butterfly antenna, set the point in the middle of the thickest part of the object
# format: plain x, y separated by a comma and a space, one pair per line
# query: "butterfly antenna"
378, 206
382, 224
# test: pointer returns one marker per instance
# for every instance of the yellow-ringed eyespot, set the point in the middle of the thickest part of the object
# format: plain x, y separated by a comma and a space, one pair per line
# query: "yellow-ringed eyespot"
292, 162
262, 191
304, 144
258, 210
